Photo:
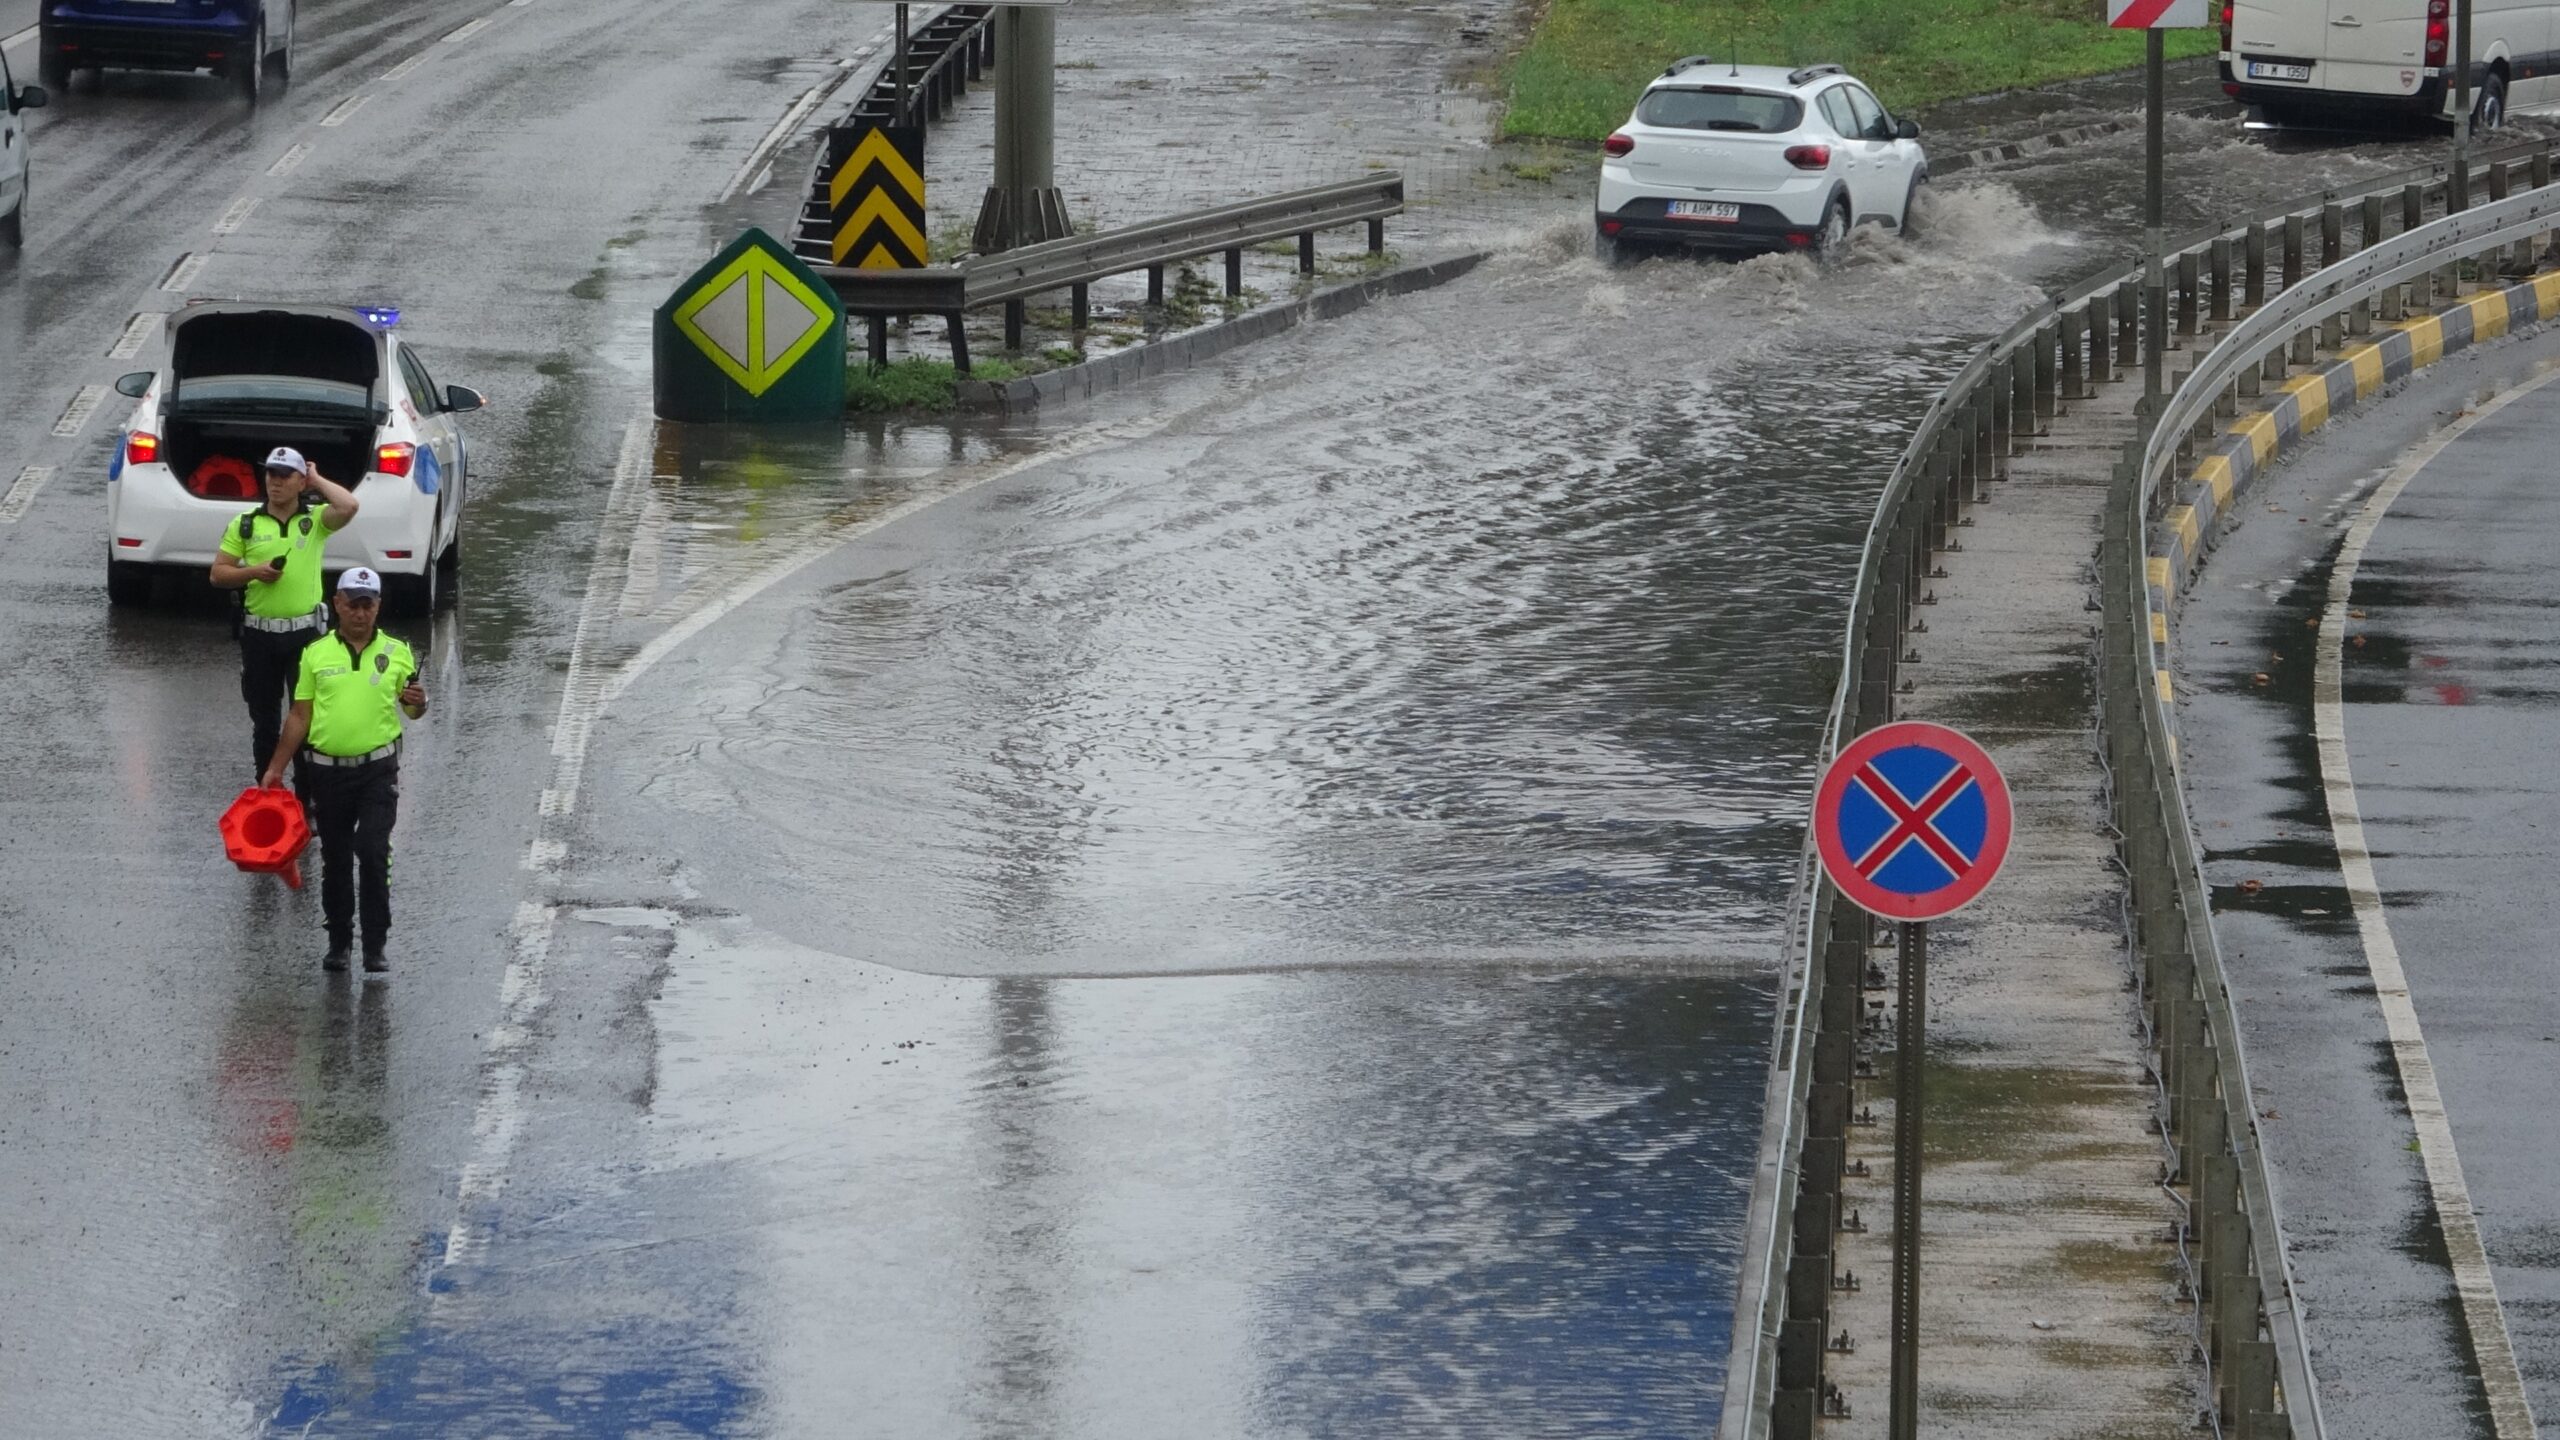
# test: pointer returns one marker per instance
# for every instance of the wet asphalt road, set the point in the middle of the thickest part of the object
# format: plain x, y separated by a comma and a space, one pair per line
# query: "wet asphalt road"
1241, 915
2447, 689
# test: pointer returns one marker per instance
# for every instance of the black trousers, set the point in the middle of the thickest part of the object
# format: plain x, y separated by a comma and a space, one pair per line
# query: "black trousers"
353, 808
268, 659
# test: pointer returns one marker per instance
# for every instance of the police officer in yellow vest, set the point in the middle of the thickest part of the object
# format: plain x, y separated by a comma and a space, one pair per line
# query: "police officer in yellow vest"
273, 552
348, 696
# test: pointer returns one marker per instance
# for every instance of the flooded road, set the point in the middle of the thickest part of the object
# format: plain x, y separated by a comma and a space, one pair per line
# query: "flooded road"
1240, 910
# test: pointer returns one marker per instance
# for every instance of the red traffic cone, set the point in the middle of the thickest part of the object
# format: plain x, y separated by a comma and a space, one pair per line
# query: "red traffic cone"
264, 833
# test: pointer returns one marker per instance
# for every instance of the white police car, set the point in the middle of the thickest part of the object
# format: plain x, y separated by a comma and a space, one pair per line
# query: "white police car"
1755, 158
337, 384
15, 101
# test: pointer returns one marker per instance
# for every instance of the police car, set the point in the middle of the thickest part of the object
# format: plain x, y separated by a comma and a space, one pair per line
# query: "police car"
14, 103
338, 384
1755, 158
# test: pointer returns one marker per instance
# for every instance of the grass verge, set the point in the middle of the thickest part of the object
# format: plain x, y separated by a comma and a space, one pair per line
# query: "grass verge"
1582, 68
915, 385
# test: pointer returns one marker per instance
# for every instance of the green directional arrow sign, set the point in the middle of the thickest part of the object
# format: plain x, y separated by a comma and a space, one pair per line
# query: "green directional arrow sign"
754, 335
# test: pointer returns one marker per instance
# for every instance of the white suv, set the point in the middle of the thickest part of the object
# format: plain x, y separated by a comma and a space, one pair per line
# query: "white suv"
1754, 158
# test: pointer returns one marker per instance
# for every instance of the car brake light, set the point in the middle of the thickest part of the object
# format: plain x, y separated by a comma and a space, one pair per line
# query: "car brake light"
1799, 238
141, 448
1619, 144
1809, 157
1611, 227
395, 459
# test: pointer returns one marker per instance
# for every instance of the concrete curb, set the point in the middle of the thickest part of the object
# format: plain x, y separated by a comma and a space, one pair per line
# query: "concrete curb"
1182, 352
2039, 144
2253, 443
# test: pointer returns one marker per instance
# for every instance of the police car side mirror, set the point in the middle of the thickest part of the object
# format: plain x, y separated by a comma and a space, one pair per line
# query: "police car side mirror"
135, 384
1907, 130
30, 97
462, 398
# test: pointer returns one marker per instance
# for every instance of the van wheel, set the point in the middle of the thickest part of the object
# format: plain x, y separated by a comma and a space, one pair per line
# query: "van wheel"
247, 70
128, 584
2489, 107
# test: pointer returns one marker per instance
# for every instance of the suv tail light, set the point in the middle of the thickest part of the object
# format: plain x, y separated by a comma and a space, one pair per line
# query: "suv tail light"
2438, 32
395, 459
141, 448
1618, 144
1809, 157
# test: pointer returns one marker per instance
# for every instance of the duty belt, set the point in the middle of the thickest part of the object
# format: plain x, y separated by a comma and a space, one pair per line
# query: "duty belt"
284, 624
367, 758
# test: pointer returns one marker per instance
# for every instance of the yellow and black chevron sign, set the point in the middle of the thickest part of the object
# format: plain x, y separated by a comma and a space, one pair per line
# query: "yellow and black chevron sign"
875, 197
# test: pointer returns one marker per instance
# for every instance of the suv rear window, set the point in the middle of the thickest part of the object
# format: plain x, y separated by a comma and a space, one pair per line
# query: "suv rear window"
1756, 111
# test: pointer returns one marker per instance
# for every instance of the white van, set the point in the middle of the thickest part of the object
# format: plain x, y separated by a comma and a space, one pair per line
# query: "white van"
2344, 60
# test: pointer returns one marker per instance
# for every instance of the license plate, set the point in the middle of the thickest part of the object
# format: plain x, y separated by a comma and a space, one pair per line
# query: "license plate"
2262, 70
1705, 210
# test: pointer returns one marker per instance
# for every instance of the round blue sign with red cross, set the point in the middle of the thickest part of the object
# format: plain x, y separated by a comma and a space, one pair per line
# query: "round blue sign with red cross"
1912, 821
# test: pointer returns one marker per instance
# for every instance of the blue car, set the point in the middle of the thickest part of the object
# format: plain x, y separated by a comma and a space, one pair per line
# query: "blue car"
246, 42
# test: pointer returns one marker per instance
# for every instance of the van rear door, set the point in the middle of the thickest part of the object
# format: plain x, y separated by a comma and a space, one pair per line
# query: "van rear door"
2376, 47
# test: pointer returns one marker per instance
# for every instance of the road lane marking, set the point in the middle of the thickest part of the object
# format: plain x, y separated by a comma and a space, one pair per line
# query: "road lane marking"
23, 493
401, 70
292, 159
237, 216
2510, 1414
76, 414
184, 273
21, 38
467, 31
137, 333
346, 107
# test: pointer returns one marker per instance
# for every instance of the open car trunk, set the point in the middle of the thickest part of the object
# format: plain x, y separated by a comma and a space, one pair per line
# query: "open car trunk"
242, 383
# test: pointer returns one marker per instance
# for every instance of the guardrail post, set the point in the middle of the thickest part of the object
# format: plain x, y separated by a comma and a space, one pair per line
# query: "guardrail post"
2253, 285
2001, 392
2048, 346
1155, 285
2292, 251
2247, 381
1378, 236
2190, 294
2101, 355
1081, 302
1307, 253
2074, 323
2515, 258
1235, 272
2274, 364
2369, 231
2128, 325
1014, 316
2333, 234
2220, 256
2303, 345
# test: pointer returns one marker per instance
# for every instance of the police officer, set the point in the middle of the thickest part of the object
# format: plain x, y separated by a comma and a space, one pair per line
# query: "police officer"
349, 693
273, 552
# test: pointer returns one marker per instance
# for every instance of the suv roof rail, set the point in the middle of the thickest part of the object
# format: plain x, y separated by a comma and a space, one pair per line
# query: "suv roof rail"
1809, 72
1685, 61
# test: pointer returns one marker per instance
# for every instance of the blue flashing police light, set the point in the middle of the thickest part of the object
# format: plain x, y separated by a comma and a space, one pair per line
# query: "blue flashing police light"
384, 316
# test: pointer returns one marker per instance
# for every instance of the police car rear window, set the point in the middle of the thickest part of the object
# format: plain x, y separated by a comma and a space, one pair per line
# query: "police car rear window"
1753, 111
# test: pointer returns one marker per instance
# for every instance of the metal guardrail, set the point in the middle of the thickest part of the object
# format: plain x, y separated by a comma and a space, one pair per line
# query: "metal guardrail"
947, 49
1011, 277
2009, 391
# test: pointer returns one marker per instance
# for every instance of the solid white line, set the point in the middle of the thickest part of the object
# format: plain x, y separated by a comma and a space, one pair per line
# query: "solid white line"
23, 493
2509, 1413
77, 413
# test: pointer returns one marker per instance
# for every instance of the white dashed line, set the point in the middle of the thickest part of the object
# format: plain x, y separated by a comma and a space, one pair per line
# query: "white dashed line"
401, 70
291, 160
2510, 1414
21, 38
137, 333
23, 493
184, 273
346, 107
467, 31
76, 415
237, 216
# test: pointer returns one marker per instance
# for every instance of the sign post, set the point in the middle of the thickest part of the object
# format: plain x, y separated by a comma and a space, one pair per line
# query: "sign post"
2151, 17
1912, 822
